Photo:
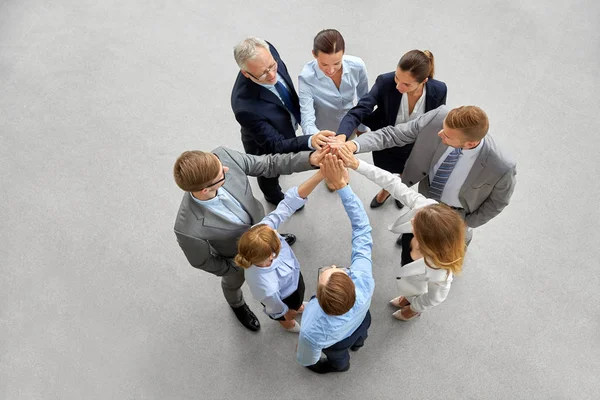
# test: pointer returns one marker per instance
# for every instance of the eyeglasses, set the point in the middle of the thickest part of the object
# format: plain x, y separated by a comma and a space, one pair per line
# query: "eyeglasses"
220, 180
320, 271
264, 75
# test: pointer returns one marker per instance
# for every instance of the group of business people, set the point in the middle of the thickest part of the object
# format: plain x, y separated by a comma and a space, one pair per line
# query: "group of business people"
463, 178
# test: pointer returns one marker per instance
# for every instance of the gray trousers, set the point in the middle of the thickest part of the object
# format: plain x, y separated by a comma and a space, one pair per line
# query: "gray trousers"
232, 287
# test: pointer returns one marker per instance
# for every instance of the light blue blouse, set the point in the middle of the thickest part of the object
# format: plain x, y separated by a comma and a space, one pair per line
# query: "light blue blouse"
270, 285
322, 104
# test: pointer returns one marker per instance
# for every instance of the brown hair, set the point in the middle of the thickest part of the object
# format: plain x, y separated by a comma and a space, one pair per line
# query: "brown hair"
419, 63
194, 169
338, 295
471, 120
256, 245
440, 232
329, 41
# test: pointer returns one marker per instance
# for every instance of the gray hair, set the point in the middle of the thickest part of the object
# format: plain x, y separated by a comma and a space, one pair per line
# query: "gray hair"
246, 50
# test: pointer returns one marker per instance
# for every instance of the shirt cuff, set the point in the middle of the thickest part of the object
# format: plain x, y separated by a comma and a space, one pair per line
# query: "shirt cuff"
357, 146
309, 142
345, 192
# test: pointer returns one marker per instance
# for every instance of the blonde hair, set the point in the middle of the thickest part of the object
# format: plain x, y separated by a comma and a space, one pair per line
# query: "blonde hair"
256, 245
338, 295
194, 169
440, 232
471, 120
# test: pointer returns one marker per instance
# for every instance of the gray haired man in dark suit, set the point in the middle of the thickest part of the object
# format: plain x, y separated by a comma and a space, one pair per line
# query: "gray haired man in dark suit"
219, 206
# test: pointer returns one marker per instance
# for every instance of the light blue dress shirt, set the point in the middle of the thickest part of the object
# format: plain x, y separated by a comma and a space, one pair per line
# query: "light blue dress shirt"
322, 104
217, 205
320, 330
270, 285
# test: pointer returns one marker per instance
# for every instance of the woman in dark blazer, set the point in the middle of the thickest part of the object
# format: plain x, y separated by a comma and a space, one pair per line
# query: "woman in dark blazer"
399, 96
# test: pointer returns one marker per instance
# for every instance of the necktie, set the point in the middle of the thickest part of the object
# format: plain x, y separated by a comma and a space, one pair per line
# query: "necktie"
234, 208
287, 100
442, 174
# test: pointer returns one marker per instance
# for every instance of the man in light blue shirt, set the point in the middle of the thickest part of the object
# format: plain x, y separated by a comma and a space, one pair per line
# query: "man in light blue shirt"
338, 318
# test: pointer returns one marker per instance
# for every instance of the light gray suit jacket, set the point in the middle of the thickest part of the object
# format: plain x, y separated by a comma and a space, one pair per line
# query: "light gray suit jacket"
208, 240
488, 186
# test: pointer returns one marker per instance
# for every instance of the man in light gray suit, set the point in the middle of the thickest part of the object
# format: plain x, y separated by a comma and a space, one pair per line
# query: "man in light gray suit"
454, 161
219, 206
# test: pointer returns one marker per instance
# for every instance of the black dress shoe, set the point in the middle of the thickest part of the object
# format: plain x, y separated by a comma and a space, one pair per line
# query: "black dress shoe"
290, 238
246, 317
399, 241
275, 202
375, 203
399, 205
355, 348
325, 367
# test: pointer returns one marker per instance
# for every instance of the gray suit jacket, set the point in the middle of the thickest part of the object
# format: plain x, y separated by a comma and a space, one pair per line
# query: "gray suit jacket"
487, 188
208, 240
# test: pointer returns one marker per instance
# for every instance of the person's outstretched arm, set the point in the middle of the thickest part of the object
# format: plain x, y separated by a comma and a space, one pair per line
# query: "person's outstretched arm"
362, 242
294, 199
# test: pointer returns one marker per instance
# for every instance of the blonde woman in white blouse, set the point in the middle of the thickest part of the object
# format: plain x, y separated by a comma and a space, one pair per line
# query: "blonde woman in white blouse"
431, 255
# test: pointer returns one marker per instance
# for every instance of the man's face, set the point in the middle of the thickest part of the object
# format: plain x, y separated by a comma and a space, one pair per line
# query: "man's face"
452, 137
219, 181
262, 69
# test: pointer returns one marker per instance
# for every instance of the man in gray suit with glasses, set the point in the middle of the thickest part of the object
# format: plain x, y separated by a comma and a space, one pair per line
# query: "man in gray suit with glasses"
219, 206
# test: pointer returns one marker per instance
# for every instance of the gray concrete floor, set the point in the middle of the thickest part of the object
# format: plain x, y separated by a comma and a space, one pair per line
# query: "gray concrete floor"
97, 301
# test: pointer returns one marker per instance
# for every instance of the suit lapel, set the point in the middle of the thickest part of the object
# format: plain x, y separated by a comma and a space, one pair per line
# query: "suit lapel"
441, 148
430, 100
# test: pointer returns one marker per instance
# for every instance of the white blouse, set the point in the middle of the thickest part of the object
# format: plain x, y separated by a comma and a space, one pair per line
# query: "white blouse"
419, 108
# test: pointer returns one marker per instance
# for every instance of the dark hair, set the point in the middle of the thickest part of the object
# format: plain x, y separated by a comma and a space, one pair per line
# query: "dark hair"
418, 63
329, 41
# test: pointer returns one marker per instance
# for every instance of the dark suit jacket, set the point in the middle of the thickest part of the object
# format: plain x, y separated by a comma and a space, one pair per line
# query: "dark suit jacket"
387, 98
266, 123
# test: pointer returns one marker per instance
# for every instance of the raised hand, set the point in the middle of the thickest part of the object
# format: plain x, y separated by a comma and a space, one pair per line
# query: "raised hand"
321, 139
317, 156
334, 171
349, 160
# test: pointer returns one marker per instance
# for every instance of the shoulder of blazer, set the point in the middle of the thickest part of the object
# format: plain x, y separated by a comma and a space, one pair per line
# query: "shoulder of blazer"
386, 80
493, 156
436, 91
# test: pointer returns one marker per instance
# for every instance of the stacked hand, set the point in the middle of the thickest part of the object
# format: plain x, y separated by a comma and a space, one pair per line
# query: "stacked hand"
343, 153
320, 139
334, 171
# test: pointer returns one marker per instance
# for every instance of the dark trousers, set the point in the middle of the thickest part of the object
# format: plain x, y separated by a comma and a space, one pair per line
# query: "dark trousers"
338, 355
270, 188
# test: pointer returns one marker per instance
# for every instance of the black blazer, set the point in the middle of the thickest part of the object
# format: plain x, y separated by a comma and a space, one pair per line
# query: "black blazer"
386, 97
266, 124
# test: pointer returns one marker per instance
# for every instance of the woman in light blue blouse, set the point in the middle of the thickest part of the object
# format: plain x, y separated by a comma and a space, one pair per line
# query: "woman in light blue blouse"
272, 270
330, 85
